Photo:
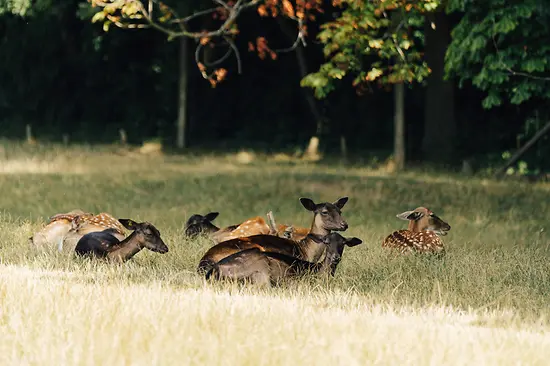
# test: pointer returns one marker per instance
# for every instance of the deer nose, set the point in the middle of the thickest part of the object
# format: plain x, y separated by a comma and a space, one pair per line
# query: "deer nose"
344, 225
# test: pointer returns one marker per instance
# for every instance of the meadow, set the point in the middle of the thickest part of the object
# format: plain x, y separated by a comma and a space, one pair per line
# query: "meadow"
486, 302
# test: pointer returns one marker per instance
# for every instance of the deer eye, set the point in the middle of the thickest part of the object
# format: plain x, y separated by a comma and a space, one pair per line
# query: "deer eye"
324, 212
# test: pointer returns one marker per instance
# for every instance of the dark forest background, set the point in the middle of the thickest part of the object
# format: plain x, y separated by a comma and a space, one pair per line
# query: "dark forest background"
62, 74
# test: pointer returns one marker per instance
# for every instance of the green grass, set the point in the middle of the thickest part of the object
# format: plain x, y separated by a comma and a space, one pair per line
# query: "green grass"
496, 274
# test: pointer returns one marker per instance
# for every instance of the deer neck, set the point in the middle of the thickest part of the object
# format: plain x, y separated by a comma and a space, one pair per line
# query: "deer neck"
310, 249
416, 226
126, 249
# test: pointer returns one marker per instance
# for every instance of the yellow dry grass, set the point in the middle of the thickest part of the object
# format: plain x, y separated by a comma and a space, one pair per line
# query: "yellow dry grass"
52, 319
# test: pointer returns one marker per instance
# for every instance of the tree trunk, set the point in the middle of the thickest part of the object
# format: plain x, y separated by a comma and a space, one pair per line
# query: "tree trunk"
182, 105
320, 122
308, 94
399, 126
438, 144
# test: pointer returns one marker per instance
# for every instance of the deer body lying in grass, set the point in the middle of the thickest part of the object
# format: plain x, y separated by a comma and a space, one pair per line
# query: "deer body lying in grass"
65, 229
326, 217
105, 245
259, 267
422, 234
198, 224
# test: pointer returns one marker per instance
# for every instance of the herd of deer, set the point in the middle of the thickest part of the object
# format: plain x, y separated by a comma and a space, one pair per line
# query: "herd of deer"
255, 250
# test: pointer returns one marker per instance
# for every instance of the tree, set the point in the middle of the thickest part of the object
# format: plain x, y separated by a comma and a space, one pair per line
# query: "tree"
375, 42
502, 48
223, 20
165, 18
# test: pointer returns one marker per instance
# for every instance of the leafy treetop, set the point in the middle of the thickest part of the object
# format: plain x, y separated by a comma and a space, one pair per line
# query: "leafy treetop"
502, 48
374, 41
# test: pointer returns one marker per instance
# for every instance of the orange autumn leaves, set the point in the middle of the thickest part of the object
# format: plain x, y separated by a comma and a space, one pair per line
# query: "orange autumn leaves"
300, 10
286, 8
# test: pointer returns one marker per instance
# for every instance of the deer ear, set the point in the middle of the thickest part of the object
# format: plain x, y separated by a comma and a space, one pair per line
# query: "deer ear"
410, 215
308, 204
341, 202
128, 224
351, 242
211, 216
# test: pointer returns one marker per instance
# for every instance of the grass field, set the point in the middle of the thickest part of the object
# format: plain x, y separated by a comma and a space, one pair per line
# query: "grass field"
486, 302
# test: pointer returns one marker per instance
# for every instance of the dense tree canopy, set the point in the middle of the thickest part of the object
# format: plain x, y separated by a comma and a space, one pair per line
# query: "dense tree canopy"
502, 48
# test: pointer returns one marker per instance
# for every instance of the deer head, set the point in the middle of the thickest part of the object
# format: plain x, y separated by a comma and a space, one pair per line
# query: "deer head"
328, 216
421, 219
146, 235
335, 244
198, 224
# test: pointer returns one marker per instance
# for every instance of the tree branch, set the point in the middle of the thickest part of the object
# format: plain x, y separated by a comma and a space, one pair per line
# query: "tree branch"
157, 15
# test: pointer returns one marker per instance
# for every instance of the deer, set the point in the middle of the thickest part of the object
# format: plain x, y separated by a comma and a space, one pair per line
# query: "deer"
258, 226
264, 268
82, 225
422, 234
326, 218
56, 228
198, 224
65, 229
103, 244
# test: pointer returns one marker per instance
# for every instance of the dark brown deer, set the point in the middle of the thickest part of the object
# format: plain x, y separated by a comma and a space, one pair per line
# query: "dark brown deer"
259, 267
326, 217
104, 244
198, 224
422, 235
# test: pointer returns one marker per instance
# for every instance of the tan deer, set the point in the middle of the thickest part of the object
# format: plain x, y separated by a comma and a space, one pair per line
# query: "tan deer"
83, 225
258, 226
56, 228
104, 244
198, 224
65, 229
422, 235
326, 218
260, 267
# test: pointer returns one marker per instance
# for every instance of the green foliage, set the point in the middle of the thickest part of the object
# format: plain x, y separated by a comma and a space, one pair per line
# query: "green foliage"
24, 7
373, 41
502, 48
18, 7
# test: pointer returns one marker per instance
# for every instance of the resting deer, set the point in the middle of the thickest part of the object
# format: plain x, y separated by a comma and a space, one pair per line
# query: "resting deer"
55, 230
83, 225
198, 224
64, 230
266, 267
104, 244
326, 217
422, 234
